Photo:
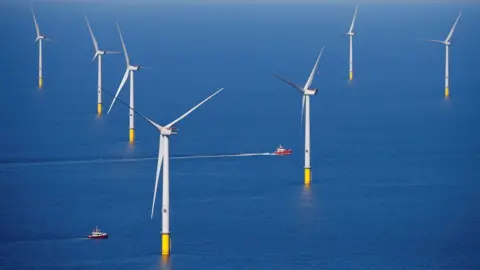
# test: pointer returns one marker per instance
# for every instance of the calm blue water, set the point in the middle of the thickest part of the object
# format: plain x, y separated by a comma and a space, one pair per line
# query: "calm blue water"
396, 167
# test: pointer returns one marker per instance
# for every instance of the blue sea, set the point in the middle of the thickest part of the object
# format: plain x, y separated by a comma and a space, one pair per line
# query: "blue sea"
396, 167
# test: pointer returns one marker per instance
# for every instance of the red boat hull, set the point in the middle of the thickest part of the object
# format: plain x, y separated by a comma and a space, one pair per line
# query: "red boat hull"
98, 236
284, 152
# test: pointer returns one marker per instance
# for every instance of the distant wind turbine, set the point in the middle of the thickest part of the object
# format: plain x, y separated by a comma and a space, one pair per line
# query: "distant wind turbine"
129, 72
40, 38
306, 91
351, 33
447, 42
100, 54
164, 155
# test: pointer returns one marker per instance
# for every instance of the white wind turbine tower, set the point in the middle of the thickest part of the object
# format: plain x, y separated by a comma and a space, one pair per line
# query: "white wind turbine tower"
447, 42
40, 38
351, 33
306, 91
128, 73
163, 155
100, 54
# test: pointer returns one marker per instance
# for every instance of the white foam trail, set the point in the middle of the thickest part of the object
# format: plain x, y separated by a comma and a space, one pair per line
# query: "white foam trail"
223, 156
119, 160
43, 240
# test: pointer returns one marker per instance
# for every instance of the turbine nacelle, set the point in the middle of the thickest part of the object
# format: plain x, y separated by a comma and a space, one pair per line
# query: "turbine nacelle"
310, 92
133, 68
350, 34
167, 131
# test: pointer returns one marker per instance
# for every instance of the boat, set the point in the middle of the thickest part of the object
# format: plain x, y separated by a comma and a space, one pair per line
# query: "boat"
282, 151
97, 234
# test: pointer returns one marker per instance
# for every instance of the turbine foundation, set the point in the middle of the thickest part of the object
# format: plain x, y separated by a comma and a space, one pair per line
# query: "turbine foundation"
99, 109
308, 176
131, 135
166, 244
447, 92
351, 75
40, 83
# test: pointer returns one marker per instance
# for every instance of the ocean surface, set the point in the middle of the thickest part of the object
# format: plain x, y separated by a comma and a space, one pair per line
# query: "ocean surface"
396, 167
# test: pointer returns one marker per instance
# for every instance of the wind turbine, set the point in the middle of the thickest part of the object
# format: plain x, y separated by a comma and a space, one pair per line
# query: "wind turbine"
40, 38
447, 42
128, 73
351, 33
306, 91
100, 54
163, 155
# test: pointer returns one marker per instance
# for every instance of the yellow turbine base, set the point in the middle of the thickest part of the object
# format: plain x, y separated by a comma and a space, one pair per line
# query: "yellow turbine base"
308, 176
166, 245
351, 75
40, 83
131, 135
447, 92
99, 109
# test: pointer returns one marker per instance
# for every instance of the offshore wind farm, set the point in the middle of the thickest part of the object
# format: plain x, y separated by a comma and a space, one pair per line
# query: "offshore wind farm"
396, 162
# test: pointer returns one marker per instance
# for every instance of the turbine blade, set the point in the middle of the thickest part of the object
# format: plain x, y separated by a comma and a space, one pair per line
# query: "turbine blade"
312, 74
432, 41
453, 28
290, 83
125, 77
159, 167
353, 21
36, 23
137, 112
193, 109
303, 110
95, 43
127, 59
95, 56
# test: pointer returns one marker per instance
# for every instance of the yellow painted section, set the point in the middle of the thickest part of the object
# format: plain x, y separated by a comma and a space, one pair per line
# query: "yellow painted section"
132, 135
99, 108
351, 75
40, 83
308, 176
447, 92
166, 244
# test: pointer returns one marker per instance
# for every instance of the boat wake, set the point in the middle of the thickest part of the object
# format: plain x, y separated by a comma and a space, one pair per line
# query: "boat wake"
33, 241
120, 160
224, 156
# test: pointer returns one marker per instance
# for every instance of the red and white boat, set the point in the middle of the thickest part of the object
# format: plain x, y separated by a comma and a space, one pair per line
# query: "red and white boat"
97, 234
282, 151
